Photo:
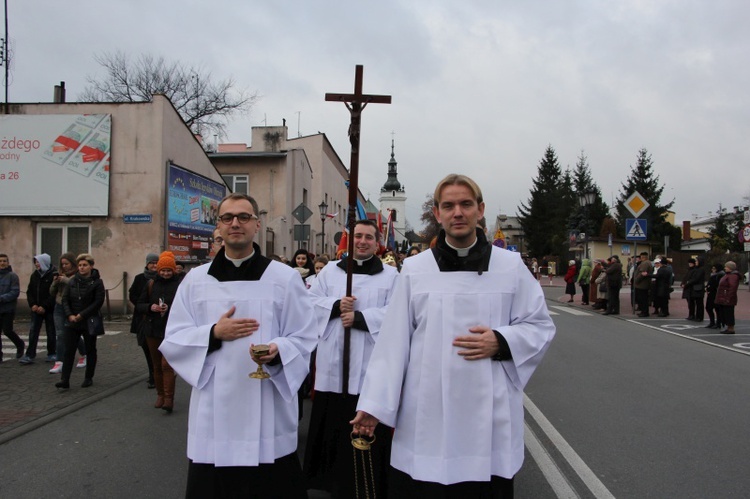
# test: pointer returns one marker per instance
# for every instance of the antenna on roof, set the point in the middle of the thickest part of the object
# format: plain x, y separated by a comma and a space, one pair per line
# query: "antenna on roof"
299, 116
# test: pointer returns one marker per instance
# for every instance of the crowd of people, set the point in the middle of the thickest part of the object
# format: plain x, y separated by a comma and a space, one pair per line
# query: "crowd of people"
652, 284
67, 300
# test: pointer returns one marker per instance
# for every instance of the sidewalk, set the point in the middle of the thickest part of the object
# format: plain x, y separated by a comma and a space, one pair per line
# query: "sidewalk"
677, 305
28, 397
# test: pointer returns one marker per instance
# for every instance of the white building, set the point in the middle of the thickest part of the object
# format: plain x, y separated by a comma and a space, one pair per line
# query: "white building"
393, 201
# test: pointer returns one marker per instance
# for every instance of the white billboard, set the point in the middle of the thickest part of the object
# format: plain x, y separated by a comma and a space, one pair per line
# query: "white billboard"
55, 165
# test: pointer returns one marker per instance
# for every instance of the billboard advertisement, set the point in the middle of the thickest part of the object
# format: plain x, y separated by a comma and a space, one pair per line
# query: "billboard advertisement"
55, 165
192, 211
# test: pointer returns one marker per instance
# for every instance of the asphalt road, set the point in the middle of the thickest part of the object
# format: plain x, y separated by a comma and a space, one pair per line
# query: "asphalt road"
648, 410
618, 408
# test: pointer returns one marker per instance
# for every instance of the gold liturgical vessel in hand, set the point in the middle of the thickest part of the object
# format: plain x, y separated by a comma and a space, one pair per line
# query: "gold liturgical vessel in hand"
260, 351
359, 442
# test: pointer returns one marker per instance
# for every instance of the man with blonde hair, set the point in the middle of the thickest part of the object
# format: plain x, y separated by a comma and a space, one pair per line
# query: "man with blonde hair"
465, 328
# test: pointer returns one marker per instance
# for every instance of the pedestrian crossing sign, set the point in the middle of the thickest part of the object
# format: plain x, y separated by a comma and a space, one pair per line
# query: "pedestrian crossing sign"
636, 229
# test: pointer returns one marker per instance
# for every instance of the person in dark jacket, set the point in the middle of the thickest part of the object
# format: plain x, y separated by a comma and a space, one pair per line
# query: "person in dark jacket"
726, 295
614, 284
42, 305
59, 283
686, 292
642, 282
153, 306
82, 299
9, 291
712, 286
696, 286
134, 293
662, 285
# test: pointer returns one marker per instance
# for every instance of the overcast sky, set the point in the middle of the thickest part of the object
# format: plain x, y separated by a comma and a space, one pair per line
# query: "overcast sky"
478, 87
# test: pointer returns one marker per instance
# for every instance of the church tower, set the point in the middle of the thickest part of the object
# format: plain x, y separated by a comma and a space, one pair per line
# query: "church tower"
393, 199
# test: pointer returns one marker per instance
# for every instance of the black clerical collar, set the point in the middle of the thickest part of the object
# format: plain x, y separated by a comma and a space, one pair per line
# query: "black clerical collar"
478, 259
370, 266
250, 270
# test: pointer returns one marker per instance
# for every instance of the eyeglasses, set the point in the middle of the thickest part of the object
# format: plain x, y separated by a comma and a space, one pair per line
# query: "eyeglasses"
218, 240
243, 218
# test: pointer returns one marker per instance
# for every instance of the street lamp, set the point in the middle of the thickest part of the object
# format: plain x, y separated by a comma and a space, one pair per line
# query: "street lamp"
586, 199
323, 207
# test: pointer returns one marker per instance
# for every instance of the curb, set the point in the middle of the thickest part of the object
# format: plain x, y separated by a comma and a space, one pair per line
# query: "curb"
54, 416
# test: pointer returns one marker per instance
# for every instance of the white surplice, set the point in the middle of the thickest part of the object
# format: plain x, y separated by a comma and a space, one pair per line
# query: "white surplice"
373, 292
456, 420
236, 420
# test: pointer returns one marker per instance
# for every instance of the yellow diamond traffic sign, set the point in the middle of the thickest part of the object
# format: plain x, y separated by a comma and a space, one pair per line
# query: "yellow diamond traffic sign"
636, 204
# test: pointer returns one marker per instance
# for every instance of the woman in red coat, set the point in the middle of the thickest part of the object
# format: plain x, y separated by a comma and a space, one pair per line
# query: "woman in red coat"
726, 296
570, 279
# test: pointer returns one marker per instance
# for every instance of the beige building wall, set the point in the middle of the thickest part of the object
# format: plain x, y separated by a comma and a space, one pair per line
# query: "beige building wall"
278, 170
144, 137
329, 185
278, 181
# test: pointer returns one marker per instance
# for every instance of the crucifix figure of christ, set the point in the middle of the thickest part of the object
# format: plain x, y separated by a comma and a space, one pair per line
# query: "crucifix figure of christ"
355, 103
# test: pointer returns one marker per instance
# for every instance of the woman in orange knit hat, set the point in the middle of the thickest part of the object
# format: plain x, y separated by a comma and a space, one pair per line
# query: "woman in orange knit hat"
155, 303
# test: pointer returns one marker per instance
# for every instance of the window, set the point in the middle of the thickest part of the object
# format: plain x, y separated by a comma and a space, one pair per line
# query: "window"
237, 183
56, 239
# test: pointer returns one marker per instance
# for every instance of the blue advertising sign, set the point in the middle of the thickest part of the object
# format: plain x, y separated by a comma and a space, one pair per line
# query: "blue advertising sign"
636, 229
513, 247
192, 212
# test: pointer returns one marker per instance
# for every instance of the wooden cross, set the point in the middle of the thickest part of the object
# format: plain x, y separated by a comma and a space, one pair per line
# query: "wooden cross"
355, 103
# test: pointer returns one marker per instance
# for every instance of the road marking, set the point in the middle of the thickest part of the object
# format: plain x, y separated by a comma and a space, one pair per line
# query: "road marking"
681, 327
10, 349
560, 485
570, 310
691, 337
552, 312
589, 478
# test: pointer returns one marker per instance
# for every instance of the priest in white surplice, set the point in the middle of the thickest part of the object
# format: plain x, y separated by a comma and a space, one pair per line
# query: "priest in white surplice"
242, 432
328, 453
466, 327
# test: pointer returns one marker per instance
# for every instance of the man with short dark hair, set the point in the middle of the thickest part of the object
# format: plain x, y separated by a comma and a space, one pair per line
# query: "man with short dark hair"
9, 291
642, 283
614, 284
328, 455
662, 285
466, 327
696, 289
242, 432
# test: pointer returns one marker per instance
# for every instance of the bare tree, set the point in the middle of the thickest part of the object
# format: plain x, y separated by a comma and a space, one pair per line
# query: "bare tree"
204, 104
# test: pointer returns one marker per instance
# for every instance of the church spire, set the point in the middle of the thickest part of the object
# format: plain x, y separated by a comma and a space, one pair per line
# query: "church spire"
392, 184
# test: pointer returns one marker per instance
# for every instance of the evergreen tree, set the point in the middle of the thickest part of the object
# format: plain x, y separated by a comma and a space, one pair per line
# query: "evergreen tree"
645, 181
587, 219
544, 216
